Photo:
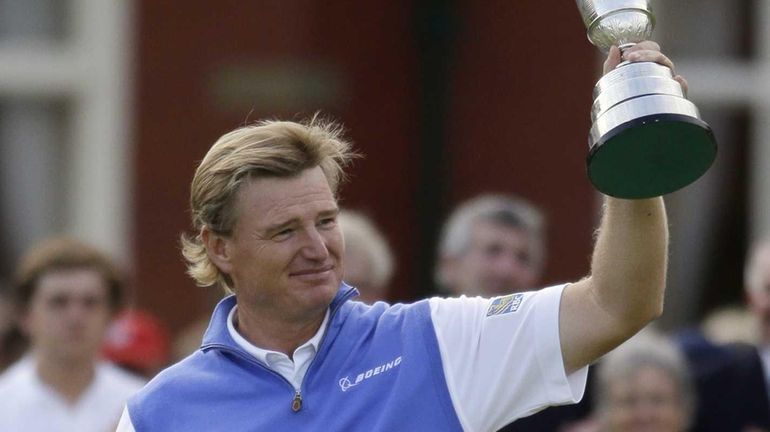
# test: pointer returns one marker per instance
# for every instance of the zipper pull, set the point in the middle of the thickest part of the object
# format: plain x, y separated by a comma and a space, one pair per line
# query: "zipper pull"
296, 404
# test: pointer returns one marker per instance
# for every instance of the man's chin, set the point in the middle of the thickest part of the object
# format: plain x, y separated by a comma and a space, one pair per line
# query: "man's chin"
322, 292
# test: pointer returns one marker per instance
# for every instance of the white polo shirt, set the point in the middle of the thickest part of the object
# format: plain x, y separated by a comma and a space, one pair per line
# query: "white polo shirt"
293, 370
502, 357
29, 405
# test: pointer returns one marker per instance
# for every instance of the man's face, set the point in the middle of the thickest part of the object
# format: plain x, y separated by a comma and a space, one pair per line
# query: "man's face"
759, 296
68, 314
645, 401
285, 252
498, 261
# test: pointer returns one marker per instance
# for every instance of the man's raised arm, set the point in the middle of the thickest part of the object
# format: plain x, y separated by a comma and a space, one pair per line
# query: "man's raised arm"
626, 286
628, 270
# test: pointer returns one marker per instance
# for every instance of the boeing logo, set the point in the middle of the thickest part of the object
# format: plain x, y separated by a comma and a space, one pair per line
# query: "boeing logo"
346, 383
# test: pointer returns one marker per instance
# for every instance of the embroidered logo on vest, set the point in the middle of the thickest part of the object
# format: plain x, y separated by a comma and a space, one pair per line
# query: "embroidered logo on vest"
346, 383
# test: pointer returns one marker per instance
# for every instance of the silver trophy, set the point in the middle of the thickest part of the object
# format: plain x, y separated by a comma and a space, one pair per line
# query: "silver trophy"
647, 139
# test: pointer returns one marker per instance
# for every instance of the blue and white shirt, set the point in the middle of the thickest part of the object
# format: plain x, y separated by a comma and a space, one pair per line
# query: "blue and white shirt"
470, 364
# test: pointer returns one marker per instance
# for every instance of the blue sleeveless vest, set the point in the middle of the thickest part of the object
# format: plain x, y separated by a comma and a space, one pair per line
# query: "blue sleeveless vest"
378, 368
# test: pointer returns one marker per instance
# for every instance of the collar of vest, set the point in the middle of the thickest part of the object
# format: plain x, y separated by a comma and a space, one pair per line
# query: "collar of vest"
218, 335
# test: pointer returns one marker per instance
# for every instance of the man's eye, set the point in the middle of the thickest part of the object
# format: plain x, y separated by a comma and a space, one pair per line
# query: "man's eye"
327, 221
58, 302
493, 250
282, 234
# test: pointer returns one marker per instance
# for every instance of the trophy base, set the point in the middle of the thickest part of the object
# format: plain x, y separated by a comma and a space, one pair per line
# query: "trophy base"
651, 156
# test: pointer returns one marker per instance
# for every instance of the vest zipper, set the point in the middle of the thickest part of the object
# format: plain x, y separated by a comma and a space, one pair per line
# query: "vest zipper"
296, 404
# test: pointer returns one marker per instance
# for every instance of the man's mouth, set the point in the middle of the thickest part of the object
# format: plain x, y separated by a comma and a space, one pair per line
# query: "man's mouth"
313, 271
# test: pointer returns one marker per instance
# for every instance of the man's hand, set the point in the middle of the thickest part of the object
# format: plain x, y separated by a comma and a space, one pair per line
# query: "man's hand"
647, 51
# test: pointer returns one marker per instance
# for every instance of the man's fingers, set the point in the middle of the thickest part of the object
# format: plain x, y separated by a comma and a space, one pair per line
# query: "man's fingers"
644, 45
648, 56
613, 59
683, 82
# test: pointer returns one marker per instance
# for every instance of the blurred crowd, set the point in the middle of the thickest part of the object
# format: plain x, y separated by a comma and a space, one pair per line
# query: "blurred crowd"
73, 348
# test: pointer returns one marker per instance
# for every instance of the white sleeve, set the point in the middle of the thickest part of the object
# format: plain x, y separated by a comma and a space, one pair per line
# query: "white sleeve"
125, 424
502, 356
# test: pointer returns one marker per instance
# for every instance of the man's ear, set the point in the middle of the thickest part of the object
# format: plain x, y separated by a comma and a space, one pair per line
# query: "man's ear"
217, 248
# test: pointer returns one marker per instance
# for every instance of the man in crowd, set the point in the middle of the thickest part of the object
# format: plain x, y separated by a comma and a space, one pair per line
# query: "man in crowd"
645, 385
289, 351
491, 245
66, 293
730, 377
368, 259
757, 287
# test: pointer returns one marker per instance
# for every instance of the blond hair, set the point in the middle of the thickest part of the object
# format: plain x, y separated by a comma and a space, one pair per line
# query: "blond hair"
266, 149
652, 349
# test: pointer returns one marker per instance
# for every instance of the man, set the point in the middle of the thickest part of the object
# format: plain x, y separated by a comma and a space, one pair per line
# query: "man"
757, 289
368, 259
731, 377
290, 352
645, 385
491, 245
66, 292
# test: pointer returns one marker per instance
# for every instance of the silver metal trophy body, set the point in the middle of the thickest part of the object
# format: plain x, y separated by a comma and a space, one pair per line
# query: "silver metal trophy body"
647, 139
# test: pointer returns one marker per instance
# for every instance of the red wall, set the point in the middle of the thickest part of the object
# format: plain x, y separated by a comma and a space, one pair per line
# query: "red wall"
518, 118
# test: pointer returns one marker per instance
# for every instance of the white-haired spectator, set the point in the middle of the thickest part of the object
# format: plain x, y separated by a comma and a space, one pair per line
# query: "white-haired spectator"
757, 287
368, 258
491, 245
645, 385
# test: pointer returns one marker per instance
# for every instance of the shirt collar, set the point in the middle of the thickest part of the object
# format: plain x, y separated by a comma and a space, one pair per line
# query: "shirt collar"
265, 356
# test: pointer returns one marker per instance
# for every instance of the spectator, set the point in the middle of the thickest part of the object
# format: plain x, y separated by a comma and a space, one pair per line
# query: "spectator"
731, 324
644, 385
757, 287
368, 259
67, 293
491, 245
495, 245
730, 377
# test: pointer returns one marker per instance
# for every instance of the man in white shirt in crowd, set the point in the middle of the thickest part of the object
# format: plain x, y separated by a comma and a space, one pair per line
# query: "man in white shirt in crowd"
66, 292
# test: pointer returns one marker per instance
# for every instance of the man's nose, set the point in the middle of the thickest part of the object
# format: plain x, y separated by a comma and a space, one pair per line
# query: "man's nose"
76, 310
507, 265
314, 246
